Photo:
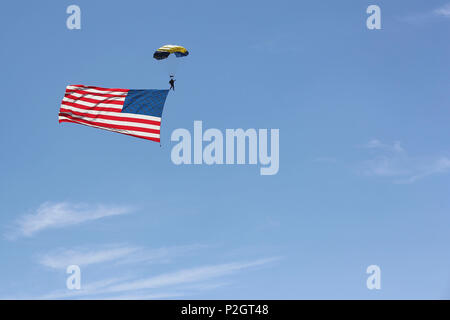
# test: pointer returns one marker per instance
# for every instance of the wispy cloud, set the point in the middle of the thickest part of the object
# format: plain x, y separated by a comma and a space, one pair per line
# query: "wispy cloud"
120, 254
82, 257
421, 17
392, 160
86, 289
438, 166
161, 255
144, 288
377, 144
63, 214
188, 275
443, 11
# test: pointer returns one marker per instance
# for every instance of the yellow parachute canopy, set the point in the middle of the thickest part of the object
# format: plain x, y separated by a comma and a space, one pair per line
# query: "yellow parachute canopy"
165, 51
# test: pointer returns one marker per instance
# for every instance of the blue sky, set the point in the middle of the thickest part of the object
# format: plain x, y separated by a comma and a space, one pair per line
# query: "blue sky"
364, 152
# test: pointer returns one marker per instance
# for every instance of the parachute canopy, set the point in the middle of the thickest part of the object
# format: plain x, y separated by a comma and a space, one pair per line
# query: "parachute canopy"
165, 51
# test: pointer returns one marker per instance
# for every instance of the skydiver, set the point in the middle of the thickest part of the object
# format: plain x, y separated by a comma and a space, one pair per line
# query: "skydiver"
172, 83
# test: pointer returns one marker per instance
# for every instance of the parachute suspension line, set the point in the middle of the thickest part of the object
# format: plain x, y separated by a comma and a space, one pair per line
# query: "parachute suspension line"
175, 52
170, 54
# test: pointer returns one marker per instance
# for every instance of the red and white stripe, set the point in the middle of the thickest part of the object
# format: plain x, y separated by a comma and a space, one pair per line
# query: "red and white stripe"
101, 108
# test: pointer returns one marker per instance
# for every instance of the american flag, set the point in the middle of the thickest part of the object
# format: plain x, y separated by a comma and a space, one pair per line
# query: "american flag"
133, 112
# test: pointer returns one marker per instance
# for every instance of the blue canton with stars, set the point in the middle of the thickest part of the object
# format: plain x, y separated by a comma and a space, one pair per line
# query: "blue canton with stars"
148, 102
